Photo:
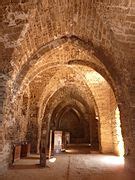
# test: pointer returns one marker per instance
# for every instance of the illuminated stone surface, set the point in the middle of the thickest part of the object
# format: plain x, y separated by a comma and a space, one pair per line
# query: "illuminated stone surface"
60, 54
71, 167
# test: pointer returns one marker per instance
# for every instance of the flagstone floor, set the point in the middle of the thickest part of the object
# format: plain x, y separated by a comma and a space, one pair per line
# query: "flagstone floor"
73, 165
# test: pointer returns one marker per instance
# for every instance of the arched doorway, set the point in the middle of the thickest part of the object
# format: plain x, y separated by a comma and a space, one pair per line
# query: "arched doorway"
73, 72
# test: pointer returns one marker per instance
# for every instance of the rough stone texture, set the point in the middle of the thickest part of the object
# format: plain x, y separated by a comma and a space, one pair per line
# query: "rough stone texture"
47, 48
71, 167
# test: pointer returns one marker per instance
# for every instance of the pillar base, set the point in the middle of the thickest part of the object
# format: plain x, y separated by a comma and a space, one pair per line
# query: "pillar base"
42, 160
3, 168
130, 163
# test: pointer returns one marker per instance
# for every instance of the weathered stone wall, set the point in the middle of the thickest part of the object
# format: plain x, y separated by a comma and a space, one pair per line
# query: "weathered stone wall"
36, 35
105, 22
32, 129
13, 128
4, 146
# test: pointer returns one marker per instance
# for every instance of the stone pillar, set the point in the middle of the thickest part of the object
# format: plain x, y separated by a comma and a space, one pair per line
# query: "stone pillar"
130, 153
43, 153
43, 148
32, 129
44, 141
32, 134
50, 144
2, 95
130, 163
4, 147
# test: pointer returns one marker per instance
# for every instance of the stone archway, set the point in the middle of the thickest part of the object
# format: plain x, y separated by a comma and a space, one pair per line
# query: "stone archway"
106, 146
41, 34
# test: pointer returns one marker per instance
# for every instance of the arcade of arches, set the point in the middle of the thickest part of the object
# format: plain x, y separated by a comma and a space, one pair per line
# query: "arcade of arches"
69, 66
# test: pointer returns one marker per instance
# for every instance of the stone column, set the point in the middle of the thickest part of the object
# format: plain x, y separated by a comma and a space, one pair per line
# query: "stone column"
43, 153
130, 152
4, 147
32, 129
50, 144
43, 148
44, 140
130, 156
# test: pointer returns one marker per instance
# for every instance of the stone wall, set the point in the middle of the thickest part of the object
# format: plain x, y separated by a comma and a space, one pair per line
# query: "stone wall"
73, 122
42, 45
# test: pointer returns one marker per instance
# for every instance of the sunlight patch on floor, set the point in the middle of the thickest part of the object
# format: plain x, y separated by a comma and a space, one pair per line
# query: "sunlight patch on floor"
113, 160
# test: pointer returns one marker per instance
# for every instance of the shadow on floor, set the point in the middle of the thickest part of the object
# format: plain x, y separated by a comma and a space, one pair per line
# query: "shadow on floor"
31, 158
25, 166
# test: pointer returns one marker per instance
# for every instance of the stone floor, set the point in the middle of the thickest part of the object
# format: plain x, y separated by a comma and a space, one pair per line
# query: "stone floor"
72, 165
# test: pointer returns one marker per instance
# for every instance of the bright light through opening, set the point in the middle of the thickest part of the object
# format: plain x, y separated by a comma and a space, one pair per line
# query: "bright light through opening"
113, 160
119, 134
52, 160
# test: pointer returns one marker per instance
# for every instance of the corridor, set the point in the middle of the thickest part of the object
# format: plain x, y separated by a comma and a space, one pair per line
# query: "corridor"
67, 76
